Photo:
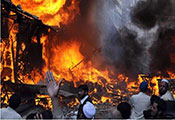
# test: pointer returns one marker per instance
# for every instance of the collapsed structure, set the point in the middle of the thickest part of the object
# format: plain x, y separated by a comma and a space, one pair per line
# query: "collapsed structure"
106, 44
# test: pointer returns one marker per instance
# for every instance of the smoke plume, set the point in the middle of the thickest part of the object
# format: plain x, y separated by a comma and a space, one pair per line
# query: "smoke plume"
149, 12
125, 34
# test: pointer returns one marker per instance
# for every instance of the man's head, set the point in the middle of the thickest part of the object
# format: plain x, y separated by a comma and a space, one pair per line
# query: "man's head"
47, 114
158, 107
125, 109
143, 86
163, 86
154, 98
14, 101
82, 91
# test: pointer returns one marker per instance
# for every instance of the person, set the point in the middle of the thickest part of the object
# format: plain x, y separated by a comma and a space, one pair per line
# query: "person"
125, 110
9, 112
154, 98
157, 109
121, 111
164, 92
47, 114
53, 89
140, 102
86, 109
148, 113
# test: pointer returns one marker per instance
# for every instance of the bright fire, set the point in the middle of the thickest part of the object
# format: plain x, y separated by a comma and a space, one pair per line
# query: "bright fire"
51, 12
66, 61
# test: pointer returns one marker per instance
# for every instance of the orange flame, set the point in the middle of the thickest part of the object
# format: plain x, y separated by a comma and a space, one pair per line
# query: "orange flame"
51, 12
66, 60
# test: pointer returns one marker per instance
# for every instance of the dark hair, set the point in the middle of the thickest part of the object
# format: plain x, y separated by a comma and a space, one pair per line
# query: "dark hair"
83, 87
143, 86
47, 114
161, 105
154, 98
125, 109
14, 101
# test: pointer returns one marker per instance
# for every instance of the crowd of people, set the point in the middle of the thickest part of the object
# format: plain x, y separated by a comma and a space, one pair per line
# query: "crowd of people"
140, 106
144, 106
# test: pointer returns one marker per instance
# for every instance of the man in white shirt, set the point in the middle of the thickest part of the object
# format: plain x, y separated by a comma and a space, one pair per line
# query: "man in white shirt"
9, 112
86, 109
164, 92
140, 102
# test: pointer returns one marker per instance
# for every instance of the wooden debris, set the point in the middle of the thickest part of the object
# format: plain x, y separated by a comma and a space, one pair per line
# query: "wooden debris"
26, 90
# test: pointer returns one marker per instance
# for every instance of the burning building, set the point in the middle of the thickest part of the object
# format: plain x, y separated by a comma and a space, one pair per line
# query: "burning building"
110, 45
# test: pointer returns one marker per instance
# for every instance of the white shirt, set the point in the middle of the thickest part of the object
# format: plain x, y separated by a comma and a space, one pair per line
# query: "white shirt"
9, 113
167, 96
139, 102
88, 109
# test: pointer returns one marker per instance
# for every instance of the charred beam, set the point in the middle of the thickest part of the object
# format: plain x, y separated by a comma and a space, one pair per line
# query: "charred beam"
30, 91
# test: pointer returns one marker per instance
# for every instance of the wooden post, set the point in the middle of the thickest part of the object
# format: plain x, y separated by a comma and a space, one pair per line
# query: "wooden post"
14, 63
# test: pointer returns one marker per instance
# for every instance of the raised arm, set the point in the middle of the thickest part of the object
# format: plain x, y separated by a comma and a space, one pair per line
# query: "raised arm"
53, 89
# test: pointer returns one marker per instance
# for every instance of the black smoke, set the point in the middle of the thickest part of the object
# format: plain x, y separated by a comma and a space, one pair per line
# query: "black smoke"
146, 14
161, 51
126, 53
149, 12
121, 49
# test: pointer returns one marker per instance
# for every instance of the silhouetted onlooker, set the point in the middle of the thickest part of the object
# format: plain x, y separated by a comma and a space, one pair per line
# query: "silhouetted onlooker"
47, 114
125, 110
9, 112
148, 113
157, 109
154, 98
